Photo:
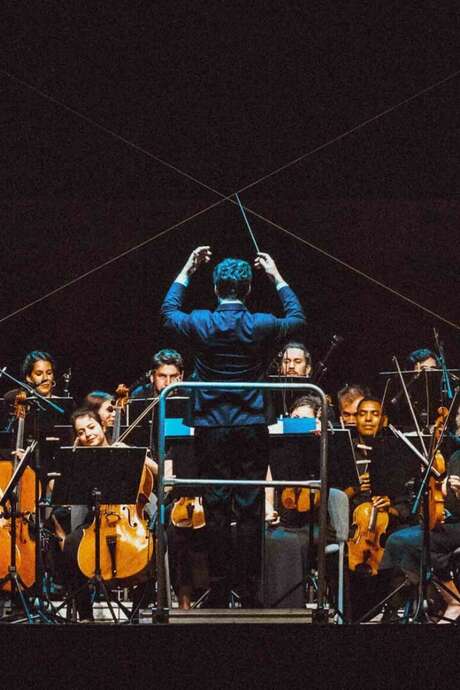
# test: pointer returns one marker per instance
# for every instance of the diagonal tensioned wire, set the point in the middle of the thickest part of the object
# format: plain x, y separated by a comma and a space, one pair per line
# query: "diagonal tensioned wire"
228, 197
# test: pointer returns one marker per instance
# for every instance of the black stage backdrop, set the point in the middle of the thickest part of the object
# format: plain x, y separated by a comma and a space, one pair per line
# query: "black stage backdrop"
227, 93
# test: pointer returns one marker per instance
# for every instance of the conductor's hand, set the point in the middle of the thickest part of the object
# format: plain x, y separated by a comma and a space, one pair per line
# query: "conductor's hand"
200, 255
381, 502
266, 262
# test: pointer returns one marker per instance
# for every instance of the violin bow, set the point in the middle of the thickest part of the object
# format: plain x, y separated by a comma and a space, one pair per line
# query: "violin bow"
251, 234
139, 418
409, 402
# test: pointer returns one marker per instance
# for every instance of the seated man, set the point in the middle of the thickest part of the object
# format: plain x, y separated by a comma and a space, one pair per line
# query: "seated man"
348, 399
421, 359
167, 367
295, 360
404, 548
384, 467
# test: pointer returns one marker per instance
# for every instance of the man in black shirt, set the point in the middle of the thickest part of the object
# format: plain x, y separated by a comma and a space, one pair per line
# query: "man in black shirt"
404, 548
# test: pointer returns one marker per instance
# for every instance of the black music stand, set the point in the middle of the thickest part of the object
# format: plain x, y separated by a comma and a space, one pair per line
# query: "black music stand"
10, 496
92, 477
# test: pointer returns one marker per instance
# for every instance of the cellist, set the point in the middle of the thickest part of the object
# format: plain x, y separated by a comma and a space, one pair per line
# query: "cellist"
88, 433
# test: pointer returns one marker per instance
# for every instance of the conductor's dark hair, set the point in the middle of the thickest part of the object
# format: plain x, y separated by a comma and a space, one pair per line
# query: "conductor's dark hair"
420, 355
84, 412
232, 278
36, 356
167, 356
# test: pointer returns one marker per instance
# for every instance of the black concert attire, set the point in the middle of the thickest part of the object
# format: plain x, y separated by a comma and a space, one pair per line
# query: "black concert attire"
145, 390
231, 435
391, 467
288, 544
403, 549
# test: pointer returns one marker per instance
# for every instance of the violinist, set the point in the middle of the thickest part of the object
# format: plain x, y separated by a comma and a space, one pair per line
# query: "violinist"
384, 469
404, 548
295, 360
348, 399
292, 528
422, 359
39, 370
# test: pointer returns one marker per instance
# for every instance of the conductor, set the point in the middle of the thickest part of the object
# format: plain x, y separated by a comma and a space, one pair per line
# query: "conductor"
231, 434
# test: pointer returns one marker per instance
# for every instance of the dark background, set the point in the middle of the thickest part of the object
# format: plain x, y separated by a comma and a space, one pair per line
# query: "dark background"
227, 92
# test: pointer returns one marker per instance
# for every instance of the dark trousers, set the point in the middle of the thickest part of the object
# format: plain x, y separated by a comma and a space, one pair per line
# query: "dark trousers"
404, 549
233, 453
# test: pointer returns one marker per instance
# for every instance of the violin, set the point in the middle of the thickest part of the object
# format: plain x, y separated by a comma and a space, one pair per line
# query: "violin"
126, 544
435, 494
300, 499
365, 548
188, 512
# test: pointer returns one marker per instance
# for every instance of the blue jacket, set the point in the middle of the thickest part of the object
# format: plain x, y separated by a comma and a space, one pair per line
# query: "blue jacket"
231, 344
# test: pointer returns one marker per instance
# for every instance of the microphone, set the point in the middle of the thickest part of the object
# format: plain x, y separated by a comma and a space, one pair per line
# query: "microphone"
338, 339
399, 395
67, 375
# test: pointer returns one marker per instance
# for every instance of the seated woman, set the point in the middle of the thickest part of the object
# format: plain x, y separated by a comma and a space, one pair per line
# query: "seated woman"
89, 433
291, 515
103, 403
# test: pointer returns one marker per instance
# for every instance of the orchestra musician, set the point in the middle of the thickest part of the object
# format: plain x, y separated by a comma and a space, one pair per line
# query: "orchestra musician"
421, 359
89, 432
167, 367
404, 548
348, 399
295, 360
104, 404
385, 467
231, 435
39, 371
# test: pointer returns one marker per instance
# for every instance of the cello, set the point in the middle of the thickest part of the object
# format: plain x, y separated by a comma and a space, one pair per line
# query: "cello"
25, 506
125, 544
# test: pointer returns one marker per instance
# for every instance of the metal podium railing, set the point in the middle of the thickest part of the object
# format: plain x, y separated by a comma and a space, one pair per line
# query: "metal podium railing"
162, 610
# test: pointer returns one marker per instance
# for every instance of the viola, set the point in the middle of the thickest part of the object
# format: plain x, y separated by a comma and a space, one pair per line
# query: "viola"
365, 550
188, 512
300, 499
435, 494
